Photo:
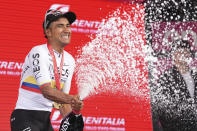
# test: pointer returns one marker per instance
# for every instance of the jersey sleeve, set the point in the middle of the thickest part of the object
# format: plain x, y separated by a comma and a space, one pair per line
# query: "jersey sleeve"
39, 62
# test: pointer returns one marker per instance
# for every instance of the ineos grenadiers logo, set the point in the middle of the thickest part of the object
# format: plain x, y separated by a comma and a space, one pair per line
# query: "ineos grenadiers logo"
36, 66
65, 125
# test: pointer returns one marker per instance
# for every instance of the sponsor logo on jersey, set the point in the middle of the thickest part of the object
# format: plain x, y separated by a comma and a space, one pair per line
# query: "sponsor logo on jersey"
65, 125
27, 129
36, 65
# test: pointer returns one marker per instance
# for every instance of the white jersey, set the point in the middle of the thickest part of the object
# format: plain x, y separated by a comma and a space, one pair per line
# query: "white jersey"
37, 72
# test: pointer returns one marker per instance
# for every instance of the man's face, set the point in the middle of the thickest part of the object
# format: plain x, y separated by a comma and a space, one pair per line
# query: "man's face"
182, 56
59, 31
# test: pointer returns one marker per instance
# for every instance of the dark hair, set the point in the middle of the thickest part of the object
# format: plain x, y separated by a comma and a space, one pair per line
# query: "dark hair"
55, 19
44, 30
180, 44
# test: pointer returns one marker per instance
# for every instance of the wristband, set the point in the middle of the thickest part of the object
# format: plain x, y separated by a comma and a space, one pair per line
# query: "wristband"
76, 112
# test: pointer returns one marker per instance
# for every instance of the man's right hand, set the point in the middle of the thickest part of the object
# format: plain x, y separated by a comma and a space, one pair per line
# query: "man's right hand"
76, 103
62, 98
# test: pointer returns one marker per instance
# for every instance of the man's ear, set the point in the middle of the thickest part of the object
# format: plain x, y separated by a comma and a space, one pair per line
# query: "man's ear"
48, 32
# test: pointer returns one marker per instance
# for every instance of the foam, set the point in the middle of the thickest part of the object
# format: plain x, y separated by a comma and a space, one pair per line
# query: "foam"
114, 59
